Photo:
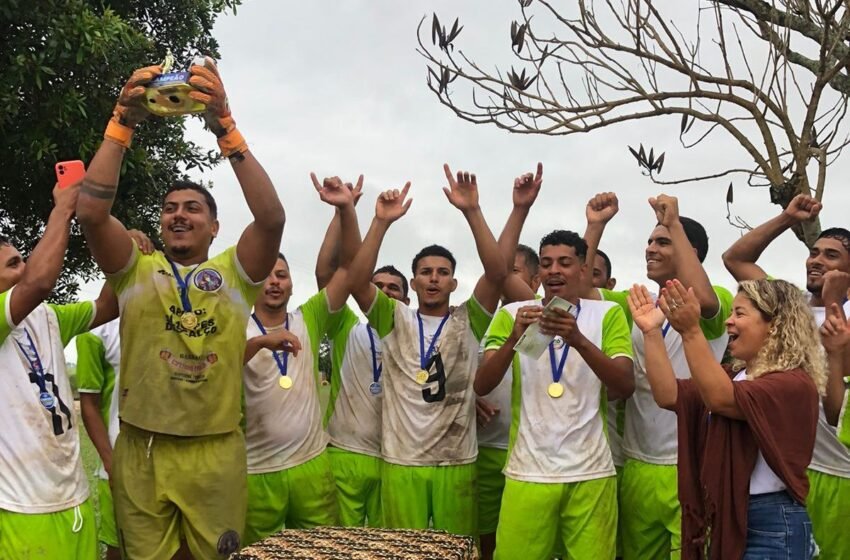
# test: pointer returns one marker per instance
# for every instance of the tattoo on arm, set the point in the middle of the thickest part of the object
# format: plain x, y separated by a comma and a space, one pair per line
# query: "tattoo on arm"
98, 190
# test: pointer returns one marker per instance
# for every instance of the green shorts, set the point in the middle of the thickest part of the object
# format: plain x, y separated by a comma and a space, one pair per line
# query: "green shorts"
828, 505
844, 418
535, 516
358, 487
106, 533
651, 520
445, 498
300, 497
491, 484
167, 487
70, 534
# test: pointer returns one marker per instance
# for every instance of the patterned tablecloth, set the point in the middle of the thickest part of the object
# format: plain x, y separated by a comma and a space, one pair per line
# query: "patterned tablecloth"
337, 543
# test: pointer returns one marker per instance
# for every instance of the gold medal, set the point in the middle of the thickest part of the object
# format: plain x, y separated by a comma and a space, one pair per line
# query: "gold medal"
555, 390
189, 320
422, 377
285, 382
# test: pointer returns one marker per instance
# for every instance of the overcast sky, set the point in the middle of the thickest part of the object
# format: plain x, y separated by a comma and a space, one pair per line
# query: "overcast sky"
338, 88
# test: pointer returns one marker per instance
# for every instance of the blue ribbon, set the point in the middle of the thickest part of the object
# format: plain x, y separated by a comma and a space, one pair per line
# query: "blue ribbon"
35, 363
282, 363
376, 369
558, 369
183, 285
423, 356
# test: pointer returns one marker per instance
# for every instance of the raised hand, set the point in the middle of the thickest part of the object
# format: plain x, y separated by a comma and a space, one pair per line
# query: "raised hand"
333, 191
210, 91
463, 191
601, 208
130, 110
527, 187
680, 306
391, 204
65, 199
356, 189
835, 331
802, 208
666, 209
646, 315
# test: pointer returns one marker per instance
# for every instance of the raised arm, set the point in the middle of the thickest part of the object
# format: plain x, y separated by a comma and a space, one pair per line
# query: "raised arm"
835, 334
341, 196
599, 211
108, 240
526, 189
329, 253
45, 262
682, 309
659, 371
462, 193
391, 206
689, 269
740, 259
259, 244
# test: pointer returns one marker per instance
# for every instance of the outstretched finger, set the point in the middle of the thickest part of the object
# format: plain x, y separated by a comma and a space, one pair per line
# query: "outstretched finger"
449, 176
359, 185
316, 184
539, 176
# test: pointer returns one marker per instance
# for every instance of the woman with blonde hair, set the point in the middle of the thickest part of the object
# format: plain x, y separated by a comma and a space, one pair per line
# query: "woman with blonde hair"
746, 433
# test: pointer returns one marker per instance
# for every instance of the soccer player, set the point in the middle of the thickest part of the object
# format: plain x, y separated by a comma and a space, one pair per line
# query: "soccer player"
44, 506
98, 364
494, 418
560, 480
828, 502
179, 464
353, 416
290, 482
650, 525
429, 357
602, 272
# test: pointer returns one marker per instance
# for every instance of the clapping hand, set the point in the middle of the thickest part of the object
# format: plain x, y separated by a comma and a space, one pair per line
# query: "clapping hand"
680, 306
646, 315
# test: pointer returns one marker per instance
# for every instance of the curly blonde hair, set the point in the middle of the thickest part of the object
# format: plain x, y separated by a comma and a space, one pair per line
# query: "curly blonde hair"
793, 340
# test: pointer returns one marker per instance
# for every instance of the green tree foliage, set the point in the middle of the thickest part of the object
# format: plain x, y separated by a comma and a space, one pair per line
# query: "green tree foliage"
62, 64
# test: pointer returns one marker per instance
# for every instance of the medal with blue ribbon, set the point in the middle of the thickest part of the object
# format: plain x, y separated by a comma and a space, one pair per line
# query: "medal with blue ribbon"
37, 368
282, 362
188, 319
375, 386
422, 375
556, 389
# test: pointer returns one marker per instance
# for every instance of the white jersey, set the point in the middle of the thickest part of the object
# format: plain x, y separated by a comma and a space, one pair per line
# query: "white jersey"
559, 440
432, 423
497, 433
98, 372
284, 426
650, 433
354, 408
830, 456
40, 466
616, 413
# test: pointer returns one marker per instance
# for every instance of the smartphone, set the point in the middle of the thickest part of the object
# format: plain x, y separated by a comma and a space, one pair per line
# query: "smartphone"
69, 173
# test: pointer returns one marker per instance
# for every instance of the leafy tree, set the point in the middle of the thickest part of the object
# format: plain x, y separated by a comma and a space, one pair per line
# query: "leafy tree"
61, 68
773, 76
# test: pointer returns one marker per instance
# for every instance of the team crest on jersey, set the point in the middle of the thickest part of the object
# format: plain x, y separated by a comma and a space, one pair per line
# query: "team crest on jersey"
208, 280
